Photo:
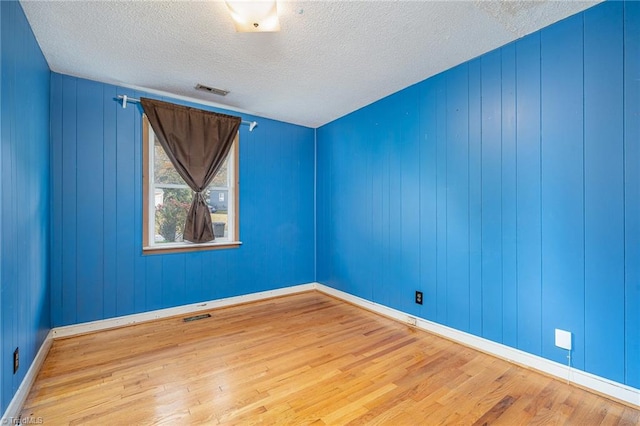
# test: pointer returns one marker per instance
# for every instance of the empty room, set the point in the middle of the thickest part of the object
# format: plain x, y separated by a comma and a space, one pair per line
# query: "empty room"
320, 212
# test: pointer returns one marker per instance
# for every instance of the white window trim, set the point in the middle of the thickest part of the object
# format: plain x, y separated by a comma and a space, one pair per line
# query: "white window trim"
232, 239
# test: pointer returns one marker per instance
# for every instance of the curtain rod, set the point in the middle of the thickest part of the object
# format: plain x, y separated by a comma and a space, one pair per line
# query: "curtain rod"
124, 99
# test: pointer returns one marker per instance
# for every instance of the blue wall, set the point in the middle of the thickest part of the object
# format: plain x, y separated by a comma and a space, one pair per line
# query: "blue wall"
24, 197
97, 269
507, 189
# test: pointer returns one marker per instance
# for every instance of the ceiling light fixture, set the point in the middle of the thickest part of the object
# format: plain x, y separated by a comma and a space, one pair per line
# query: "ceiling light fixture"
254, 16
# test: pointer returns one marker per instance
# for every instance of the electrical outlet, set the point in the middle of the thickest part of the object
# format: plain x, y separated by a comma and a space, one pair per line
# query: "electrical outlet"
563, 339
411, 320
16, 360
419, 297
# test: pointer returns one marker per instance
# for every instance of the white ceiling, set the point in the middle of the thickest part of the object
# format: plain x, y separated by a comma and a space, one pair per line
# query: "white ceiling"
329, 59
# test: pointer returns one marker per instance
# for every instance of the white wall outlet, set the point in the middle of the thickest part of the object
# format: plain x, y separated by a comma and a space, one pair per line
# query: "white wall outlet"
411, 320
563, 339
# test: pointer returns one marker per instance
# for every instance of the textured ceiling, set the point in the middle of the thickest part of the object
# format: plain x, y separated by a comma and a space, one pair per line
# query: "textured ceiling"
330, 58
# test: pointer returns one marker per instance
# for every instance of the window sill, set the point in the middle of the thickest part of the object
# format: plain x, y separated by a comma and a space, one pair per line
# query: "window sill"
188, 247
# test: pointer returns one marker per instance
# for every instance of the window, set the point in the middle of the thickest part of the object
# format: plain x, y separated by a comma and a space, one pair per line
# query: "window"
167, 199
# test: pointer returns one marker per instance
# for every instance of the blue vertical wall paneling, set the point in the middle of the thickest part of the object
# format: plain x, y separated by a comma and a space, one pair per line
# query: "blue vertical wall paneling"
376, 245
491, 157
248, 216
441, 198
251, 145
563, 187
303, 234
24, 197
541, 255
56, 196
604, 190
7, 281
475, 197
125, 208
428, 184
387, 127
409, 202
372, 226
2, 361
508, 203
457, 200
323, 209
632, 191
67, 226
403, 211
89, 199
379, 238
173, 279
528, 203
109, 204
106, 275
359, 219
139, 293
276, 172
193, 271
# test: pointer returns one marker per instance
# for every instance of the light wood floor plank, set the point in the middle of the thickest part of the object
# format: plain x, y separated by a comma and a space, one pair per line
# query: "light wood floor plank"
300, 359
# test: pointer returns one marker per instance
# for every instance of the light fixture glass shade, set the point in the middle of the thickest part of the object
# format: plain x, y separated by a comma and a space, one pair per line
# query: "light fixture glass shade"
254, 16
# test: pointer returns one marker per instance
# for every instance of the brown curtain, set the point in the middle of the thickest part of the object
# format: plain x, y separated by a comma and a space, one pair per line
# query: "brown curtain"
196, 142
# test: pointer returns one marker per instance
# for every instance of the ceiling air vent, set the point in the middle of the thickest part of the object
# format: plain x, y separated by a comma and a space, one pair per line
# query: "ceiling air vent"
213, 90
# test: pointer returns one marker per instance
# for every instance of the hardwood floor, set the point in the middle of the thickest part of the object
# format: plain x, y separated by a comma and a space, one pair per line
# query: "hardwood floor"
300, 359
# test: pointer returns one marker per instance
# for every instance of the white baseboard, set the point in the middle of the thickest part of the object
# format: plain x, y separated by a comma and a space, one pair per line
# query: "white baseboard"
12, 413
598, 384
89, 327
